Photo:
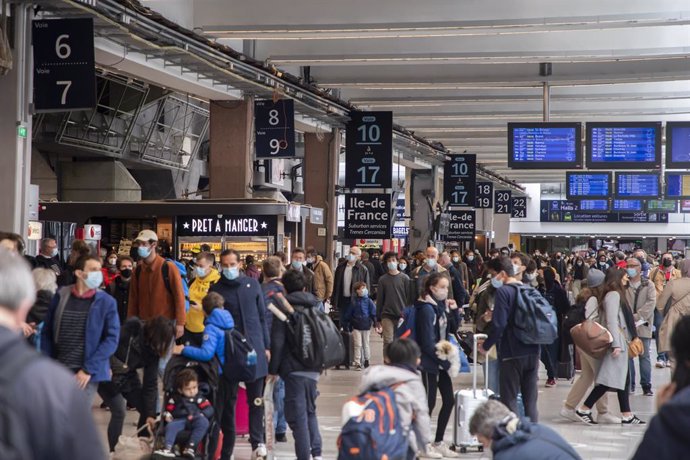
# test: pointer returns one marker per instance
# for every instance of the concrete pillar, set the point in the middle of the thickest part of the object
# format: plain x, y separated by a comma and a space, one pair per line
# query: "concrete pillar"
320, 169
97, 181
230, 158
502, 230
43, 176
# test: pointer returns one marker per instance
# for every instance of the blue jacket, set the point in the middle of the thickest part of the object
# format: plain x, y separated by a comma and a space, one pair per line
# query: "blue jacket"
667, 435
214, 338
428, 332
361, 314
102, 332
530, 441
245, 301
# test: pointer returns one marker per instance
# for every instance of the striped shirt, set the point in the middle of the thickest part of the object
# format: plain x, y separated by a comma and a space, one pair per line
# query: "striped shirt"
70, 348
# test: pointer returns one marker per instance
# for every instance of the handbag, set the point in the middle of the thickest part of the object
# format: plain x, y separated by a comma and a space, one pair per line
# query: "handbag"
592, 338
635, 348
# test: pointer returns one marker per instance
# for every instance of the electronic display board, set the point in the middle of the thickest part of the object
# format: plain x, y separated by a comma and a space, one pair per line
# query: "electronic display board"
677, 185
594, 205
562, 211
545, 145
587, 185
678, 144
624, 145
637, 185
684, 205
662, 206
627, 205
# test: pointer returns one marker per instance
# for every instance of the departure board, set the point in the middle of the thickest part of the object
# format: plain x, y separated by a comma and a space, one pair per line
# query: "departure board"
677, 185
662, 206
637, 185
678, 144
624, 145
685, 206
544, 145
627, 205
594, 205
588, 185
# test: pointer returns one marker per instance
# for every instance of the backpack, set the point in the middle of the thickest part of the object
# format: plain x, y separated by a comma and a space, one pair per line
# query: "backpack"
374, 430
314, 339
165, 270
574, 316
534, 320
240, 358
406, 325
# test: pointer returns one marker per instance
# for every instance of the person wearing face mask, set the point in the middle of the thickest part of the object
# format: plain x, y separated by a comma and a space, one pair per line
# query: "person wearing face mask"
560, 265
250, 268
346, 275
531, 274
206, 276
437, 317
404, 265
553, 354
393, 297
641, 296
82, 328
461, 267
298, 263
661, 276
580, 270
119, 288
48, 256
79, 249
459, 293
109, 269
323, 275
360, 317
429, 267
149, 293
473, 268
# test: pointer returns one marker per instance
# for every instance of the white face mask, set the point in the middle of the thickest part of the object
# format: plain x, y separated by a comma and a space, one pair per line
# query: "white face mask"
439, 293
532, 276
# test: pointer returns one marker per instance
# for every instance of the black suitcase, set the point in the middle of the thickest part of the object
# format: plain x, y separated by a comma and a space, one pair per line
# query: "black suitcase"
349, 345
566, 366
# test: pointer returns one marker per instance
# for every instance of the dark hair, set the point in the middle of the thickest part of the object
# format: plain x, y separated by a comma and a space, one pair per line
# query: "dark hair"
81, 262
249, 259
272, 267
388, 256
299, 251
229, 252
549, 277
159, 333
612, 282
206, 256
680, 348
524, 260
432, 280
358, 285
211, 301
294, 281
403, 351
185, 377
500, 264
531, 266
122, 259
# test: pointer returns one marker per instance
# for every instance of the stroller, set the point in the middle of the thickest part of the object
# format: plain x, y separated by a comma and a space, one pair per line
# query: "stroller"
208, 387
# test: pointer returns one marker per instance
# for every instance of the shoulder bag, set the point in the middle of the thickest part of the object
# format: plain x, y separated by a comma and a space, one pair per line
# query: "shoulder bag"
592, 338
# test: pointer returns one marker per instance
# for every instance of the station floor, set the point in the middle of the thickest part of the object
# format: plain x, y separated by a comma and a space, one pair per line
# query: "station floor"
598, 442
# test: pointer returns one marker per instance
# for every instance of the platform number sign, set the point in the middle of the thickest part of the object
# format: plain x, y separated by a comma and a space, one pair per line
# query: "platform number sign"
485, 195
519, 207
503, 201
64, 72
274, 128
369, 150
460, 180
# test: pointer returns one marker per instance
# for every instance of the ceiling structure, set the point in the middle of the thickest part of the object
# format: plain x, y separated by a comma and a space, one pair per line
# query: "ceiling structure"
456, 71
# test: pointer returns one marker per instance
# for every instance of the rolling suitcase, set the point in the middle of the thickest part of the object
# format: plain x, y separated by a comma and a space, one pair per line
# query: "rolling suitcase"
466, 403
241, 412
349, 349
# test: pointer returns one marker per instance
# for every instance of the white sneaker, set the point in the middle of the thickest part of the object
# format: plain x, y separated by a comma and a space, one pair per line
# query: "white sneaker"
569, 414
443, 449
608, 419
260, 453
660, 364
429, 452
165, 453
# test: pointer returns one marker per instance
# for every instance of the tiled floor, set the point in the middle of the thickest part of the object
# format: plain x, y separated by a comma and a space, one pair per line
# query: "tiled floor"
597, 443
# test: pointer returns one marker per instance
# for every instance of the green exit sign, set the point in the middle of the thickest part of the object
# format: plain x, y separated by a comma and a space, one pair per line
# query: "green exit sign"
22, 131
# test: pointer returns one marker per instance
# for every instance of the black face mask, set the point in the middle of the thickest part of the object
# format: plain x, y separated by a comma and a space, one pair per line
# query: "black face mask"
126, 273
667, 262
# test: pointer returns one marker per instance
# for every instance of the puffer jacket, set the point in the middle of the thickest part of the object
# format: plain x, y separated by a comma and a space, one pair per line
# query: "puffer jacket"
679, 293
214, 338
361, 314
522, 439
410, 398
197, 291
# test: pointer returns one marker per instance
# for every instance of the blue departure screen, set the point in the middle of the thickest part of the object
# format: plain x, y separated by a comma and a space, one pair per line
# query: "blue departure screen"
536, 144
623, 144
594, 205
589, 185
637, 185
677, 185
627, 205
680, 148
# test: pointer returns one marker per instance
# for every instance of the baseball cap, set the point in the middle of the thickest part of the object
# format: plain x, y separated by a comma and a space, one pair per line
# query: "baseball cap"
595, 278
147, 235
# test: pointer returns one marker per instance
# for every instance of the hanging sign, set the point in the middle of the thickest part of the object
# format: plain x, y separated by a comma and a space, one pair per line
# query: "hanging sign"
485, 195
274, 128
367, 215
519, 207
503, 201
461, 225
460, 180
369, 150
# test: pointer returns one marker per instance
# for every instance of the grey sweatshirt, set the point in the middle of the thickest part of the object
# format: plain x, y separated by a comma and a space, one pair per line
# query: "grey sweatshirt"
392, 296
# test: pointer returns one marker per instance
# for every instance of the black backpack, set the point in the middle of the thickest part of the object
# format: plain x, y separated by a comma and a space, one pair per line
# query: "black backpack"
240, 358
314, 339
13, 361
574, 316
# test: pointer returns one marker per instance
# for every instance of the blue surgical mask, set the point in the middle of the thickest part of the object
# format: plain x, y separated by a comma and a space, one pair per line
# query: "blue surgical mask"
143, 252
632, 272
431, 263
351, 257
231, 273
55, 252
403, 267
392, 266
516, 269
94, 279
200, 272
365, 292
297, 265
496, 283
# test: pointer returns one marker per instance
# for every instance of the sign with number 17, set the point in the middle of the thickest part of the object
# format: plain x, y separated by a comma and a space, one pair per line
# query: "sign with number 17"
369, 150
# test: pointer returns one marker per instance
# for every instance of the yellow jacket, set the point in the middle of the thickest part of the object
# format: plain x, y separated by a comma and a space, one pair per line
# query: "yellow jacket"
197, 291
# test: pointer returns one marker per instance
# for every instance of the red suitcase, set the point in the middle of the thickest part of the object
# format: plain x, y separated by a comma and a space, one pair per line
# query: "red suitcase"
241, 413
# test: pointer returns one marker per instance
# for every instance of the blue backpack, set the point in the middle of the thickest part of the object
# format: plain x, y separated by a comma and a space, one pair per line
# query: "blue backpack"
534, 320
374, 431
406, 326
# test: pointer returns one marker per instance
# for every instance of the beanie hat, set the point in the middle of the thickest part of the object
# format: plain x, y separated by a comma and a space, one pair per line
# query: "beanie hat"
595, 278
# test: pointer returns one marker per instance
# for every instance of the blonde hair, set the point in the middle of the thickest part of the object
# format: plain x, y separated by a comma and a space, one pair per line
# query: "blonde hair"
45, 279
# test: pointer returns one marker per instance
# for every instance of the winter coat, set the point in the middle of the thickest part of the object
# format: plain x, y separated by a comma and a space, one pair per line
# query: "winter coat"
245, 302
658, 277
666, 437
361, 314
197, 291
642, 302
410, 397
428, 314
679, 292
40, 308
323, 279
614, 371
181, 407
101, 337
214, 338
119, 289
148, 296
418, 276
252, 271
522, 439
459, 293
359, 273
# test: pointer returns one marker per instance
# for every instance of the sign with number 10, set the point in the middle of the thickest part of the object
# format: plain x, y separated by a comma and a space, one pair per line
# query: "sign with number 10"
460, 180
369, 150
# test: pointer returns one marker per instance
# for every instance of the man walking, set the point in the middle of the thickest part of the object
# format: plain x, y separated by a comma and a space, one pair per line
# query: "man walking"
323, 276
298, 263
393, 297
346, 275
430, 266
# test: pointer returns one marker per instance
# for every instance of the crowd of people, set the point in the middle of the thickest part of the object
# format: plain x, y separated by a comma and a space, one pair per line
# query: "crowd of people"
113, 323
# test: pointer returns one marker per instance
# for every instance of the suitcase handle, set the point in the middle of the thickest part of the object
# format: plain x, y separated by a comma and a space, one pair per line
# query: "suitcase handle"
475, 350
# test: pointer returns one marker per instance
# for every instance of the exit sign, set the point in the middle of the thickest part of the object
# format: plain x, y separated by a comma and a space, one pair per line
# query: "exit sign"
22, 131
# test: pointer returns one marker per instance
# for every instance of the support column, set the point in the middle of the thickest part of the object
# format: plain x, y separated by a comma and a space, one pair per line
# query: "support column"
231, 160
320, 171
501, 229
15, 97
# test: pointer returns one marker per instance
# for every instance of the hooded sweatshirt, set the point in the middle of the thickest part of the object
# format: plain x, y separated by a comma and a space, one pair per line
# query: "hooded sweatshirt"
667, 435
214, 338
410, 398
197, 291
520, 438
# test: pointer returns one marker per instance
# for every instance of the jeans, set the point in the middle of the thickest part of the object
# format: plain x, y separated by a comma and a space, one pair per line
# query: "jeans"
494, 375
300, 413
280, 425
90, 392
549, 356
117, 403
388, 326
645, 366
519, 375
198, 426
444, 385
361, 339
658, 319
225, 414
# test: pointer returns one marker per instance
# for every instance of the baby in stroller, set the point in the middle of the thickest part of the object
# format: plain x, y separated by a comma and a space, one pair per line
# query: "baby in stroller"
186, 409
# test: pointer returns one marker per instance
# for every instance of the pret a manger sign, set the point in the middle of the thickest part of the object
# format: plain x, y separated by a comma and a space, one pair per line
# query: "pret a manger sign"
226, 225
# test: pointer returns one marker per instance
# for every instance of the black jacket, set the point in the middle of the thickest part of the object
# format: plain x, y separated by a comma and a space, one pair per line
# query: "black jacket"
120, 290
428, 331
459, 293
181, 407
40, 309
359, 273
283, 362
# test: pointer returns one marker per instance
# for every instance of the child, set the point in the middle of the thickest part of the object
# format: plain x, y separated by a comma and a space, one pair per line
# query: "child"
359, 317
186, 409
402, 359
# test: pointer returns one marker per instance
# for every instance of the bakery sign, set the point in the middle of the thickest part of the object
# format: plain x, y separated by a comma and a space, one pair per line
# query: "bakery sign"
222, 225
